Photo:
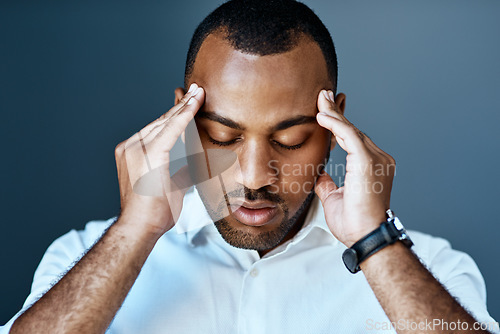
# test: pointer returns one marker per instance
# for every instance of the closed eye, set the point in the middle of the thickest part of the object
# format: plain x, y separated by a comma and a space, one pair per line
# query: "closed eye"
222, 143
233, 141
288, 147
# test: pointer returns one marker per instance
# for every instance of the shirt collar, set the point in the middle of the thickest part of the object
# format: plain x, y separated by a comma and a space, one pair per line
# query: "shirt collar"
194, 218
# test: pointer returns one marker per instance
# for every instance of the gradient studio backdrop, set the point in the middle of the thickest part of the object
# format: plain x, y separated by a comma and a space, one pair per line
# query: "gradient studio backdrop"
422, 79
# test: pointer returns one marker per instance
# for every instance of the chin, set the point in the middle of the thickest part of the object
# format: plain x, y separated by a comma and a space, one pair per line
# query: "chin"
266, 236
261, 221
253, 237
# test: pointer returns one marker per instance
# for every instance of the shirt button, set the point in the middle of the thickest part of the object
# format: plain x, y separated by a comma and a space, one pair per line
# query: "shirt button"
254, 273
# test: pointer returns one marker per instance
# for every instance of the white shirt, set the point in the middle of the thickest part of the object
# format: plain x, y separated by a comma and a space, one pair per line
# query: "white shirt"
194, 282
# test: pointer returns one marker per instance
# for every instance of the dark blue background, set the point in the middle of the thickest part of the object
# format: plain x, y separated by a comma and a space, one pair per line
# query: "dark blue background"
421, 78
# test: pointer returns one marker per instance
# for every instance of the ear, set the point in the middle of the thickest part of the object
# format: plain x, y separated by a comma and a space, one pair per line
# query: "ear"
179, 93
340, 102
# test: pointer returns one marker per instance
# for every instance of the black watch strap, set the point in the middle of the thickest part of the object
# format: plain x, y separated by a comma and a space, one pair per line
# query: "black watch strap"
381, 237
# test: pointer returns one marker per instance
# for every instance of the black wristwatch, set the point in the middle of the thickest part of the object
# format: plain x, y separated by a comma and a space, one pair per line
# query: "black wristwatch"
388, 233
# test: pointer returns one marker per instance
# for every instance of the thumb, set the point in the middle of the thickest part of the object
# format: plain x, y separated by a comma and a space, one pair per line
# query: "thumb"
175, 189
325, 186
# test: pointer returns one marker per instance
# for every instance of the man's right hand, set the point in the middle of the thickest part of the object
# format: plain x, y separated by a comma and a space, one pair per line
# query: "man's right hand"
151, 200
87, 297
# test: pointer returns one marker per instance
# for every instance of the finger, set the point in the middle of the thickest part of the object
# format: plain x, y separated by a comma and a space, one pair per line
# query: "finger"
327, 105
345, 134
171, 130
195, 99
154, 127
375, 148
325, 186
148, 134
376, 151
192, 91
153, 150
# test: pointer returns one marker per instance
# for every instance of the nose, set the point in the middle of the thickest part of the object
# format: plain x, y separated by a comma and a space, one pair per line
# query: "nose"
257, 166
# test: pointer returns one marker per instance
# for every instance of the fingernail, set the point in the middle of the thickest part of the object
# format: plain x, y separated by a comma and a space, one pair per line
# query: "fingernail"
332, 98
325, 94
192, 99
192, 87
197, 91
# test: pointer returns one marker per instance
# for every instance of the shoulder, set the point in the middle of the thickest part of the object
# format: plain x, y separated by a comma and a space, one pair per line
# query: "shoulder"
427, 246
455, 269
94, 230
66, 250
80, 240
439, 256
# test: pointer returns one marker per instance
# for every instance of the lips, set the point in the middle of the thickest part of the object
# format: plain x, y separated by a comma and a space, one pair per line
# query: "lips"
255, 214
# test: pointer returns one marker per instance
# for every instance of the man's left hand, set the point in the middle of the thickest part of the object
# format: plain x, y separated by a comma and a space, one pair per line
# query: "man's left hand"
358, 207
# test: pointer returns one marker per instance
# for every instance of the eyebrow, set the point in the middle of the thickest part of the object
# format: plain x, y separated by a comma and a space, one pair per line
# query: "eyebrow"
212, 116
219, 119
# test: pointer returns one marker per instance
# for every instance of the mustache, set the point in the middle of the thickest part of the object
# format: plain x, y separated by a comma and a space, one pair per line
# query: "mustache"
254, 195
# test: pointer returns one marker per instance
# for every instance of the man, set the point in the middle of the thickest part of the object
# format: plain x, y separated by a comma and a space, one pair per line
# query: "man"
263, 255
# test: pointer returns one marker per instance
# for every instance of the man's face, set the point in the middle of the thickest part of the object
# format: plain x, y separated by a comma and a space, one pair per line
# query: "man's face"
263, 109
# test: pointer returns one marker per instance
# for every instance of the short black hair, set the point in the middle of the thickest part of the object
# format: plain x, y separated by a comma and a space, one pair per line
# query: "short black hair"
264, 27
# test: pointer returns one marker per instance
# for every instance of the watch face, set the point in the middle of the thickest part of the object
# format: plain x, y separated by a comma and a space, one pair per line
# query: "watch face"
398, 224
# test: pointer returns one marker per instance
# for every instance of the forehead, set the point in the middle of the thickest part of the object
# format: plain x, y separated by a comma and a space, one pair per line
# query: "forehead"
238, 84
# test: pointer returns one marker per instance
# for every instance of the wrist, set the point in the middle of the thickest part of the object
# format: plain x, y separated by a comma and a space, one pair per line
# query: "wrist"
360, 234
368, 225
388, 233
385, 256
136, 230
